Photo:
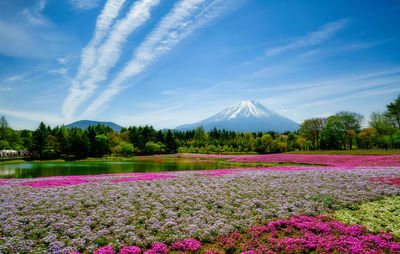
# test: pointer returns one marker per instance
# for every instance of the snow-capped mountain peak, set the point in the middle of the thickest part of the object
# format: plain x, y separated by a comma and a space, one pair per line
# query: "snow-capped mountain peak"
246, 109
245, 116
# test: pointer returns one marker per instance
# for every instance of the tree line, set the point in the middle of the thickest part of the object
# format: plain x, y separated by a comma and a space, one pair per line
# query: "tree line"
340, 131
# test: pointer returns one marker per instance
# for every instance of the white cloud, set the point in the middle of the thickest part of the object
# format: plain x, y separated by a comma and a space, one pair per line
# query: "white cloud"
24, 41
15, 78
98, 60
185, 17
171, 92
59, 71
323, 33
85, 4
64, 60
34, 15
5, 89
33, 116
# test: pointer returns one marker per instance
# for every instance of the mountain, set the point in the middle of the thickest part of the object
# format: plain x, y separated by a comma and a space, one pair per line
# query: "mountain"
246, 116
83, 124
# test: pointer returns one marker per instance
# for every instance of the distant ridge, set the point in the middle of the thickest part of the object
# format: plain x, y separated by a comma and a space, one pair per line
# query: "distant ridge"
83, 124
246, 116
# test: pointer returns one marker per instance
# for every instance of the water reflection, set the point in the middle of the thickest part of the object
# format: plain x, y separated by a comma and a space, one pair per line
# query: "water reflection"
43, 169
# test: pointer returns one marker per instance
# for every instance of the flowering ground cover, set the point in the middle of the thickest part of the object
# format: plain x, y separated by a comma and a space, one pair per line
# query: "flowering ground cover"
148, 208
306, 234
381, 215
313, 159
41, 182
299, 234
386, 180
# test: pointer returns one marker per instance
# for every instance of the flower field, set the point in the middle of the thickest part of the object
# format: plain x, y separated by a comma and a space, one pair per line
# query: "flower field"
251, 210
312, 159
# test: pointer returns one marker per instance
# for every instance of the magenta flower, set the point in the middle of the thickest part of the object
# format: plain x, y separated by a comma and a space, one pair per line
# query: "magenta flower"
130, 250
104, 250
157, 248
189, 244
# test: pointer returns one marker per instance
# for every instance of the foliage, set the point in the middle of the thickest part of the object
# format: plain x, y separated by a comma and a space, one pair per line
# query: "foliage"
393, 111
381, 215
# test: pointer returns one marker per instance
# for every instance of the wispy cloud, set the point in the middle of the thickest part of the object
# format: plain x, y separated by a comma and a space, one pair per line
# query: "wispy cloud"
64, 60
15, 78
103, 25
311, 95
5, 89
61, 71
97, 59
33, 116
185, 17
323, 33
24, 41
34, 14
85, 4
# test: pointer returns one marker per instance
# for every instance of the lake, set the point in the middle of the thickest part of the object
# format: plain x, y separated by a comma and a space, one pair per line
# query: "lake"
136, 165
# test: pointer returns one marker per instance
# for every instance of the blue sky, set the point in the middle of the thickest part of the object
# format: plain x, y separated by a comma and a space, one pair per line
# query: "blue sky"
169, 62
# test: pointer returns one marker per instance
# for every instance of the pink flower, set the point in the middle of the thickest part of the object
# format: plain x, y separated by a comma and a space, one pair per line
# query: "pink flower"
104, 250
189, 244
130, 250
157, 248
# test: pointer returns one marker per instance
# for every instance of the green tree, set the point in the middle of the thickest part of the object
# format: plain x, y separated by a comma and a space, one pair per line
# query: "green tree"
102, 145
127, 149
170, 142
26, 139
393, 111
311, 129
352, 122
154, 148
200, 137
384, 128
4, 128
51, 148
39, 139
334, 133
78, 144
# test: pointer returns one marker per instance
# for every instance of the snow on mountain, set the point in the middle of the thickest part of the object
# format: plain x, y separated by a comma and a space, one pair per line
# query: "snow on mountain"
246, 116
243, 109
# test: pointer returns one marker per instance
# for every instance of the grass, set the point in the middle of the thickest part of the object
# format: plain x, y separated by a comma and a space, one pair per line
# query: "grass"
351, 152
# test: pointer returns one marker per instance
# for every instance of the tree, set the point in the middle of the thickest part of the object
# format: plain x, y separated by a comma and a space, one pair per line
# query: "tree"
352, 124
78, 144
154, 148
61, 134
39, 139
200, 136
26, 138
384, 127
102, 145
334, 133
3, 127
312, 128
51, 147
127, 149
366, 138
170, 143
393, 111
